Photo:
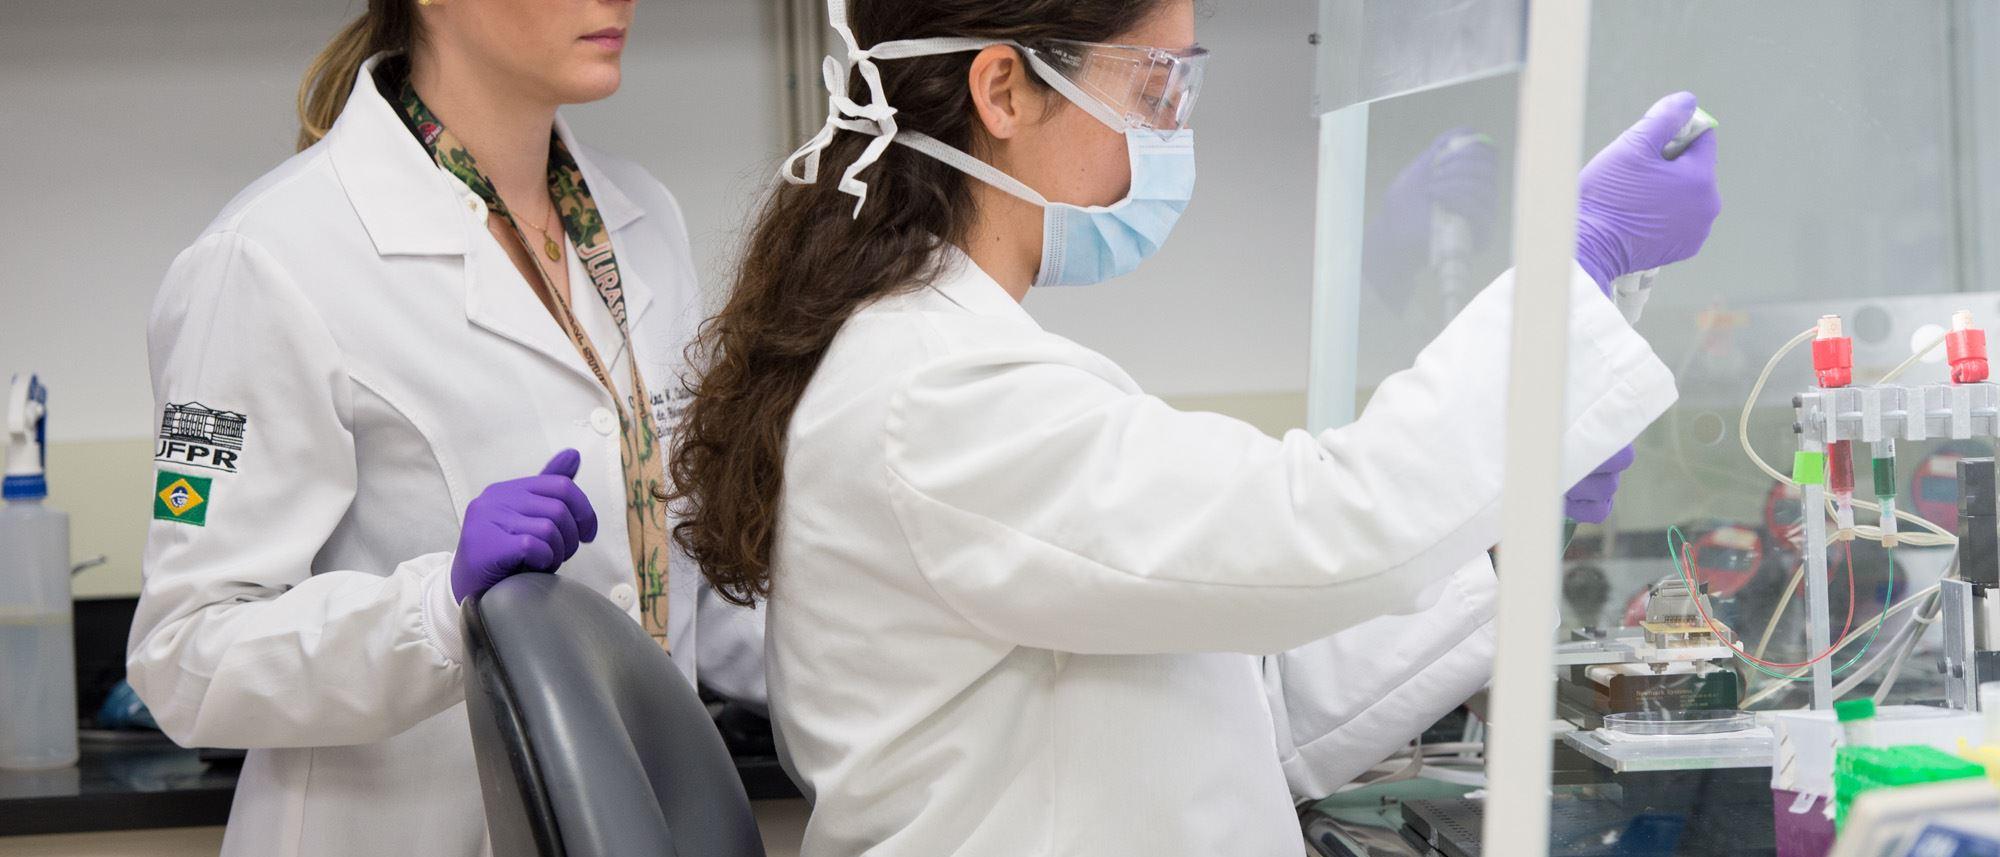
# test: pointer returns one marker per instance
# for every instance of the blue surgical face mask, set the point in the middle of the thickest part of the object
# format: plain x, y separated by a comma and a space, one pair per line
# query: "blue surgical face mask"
1084, 245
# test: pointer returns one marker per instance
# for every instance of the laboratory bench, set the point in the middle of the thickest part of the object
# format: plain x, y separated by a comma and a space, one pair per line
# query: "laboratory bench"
122, 781
1724, 813
1596, 810
136, 780
139, 779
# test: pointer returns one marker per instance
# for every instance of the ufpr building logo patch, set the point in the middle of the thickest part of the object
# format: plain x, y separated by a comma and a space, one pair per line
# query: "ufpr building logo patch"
197, 435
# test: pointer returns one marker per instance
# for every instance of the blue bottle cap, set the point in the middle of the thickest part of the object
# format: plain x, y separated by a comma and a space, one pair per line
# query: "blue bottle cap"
24, 488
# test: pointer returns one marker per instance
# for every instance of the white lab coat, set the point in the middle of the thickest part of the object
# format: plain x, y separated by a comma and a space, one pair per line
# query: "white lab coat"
391, 362
1017, 602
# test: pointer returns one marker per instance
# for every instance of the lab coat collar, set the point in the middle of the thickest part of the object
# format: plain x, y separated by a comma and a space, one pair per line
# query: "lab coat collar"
412, 207
963, 282
408, 205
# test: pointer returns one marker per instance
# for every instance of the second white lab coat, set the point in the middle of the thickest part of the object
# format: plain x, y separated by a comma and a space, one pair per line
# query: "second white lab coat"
1021, 608
350, 324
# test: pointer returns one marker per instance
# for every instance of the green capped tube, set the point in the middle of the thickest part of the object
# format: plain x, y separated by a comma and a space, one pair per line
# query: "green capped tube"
1884, 467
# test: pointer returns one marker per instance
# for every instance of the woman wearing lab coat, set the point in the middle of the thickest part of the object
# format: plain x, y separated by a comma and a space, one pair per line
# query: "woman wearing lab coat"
432, 349
1019, 607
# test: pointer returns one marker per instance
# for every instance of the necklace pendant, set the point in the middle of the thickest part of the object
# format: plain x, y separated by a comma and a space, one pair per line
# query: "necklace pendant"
551, 249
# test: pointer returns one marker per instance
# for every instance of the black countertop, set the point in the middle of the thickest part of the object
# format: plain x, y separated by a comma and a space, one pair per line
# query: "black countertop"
141, 780
133, 781
121, 782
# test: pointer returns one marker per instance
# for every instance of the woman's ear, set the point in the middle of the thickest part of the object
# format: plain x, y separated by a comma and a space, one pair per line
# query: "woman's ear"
1001, 91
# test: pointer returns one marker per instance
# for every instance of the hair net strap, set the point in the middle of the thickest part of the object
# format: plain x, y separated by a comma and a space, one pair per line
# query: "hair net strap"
875, 118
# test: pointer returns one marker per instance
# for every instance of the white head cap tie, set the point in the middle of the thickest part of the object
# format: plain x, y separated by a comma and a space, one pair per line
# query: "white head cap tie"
875, 118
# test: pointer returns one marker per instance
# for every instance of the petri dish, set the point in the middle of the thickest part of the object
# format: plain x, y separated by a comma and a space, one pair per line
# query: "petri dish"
1699, 722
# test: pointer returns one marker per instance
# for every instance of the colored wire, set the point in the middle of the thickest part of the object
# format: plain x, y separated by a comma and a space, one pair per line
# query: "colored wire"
1867, 626
1888, 595
1799, 575
1723, 633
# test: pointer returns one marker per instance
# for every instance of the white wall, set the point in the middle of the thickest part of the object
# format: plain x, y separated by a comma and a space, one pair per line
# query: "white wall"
1225, 306
127, 123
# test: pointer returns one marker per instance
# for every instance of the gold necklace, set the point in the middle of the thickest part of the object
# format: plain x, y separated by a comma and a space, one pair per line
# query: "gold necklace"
550, 246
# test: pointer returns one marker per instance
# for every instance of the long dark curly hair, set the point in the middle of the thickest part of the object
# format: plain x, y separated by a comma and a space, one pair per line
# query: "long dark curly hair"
810, 262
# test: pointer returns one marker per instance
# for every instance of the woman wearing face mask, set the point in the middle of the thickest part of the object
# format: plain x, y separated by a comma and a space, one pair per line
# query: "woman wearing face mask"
429, 351
1013, 599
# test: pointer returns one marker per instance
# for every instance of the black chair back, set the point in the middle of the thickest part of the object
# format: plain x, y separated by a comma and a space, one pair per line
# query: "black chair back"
590, 742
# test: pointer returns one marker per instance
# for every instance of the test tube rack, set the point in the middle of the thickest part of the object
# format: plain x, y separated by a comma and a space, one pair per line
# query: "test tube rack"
1873, 414
1883, 414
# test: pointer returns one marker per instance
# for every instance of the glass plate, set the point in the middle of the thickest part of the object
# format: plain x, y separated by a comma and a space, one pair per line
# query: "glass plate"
1709, 722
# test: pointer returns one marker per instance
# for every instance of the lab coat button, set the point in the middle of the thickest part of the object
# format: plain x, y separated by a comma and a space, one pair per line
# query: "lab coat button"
604, 421
624, 596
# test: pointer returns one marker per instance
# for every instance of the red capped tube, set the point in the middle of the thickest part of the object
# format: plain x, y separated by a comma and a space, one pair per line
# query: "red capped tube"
1965, 347
1833, 354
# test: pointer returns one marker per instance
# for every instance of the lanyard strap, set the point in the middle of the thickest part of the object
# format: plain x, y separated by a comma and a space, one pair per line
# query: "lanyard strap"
640, 451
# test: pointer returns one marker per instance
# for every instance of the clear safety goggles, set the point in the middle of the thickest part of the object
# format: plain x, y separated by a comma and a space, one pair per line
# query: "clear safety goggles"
1132, 86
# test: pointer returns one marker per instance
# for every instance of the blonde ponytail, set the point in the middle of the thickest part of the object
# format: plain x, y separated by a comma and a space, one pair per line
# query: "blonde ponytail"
388, 25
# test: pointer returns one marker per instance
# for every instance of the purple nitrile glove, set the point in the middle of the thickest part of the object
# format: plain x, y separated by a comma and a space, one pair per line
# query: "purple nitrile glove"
1637, 210
1590, 500
530, 524
1457, 175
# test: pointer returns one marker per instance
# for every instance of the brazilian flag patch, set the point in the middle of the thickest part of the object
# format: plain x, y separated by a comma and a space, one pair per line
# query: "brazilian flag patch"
180, 498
